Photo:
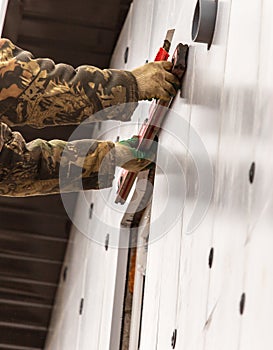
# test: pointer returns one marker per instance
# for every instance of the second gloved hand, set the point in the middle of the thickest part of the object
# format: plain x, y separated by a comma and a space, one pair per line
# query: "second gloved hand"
129, 158
155, 80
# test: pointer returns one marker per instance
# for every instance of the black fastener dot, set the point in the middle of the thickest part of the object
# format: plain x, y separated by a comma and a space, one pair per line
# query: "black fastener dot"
106, 245
126, 54
81, 306
174, 336
252, 172
211, 256
242, 303
91, 210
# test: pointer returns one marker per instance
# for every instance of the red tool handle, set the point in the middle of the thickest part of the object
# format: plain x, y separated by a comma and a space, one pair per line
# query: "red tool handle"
152, 125
162, 55
146, 135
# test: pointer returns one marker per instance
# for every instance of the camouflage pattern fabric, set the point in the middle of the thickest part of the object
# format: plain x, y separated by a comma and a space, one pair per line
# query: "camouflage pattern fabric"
38, 93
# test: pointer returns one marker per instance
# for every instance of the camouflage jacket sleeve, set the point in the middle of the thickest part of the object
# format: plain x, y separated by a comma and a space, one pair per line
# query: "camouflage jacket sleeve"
39, 92
33, 168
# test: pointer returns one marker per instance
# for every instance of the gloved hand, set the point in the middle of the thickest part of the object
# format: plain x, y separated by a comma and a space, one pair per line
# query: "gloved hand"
154, 80
129, 158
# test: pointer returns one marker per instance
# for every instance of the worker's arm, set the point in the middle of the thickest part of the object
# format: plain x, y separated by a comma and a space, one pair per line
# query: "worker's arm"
28, 169
39, 92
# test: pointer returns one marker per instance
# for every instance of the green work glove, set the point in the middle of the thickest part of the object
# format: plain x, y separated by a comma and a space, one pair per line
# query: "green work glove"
129, 158
155, 80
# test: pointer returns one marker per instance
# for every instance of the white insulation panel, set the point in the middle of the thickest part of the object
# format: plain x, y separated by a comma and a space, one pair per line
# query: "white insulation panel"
211, 288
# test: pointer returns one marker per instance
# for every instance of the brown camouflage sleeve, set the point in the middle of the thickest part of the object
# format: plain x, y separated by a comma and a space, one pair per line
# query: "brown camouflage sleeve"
33, 168
40, 93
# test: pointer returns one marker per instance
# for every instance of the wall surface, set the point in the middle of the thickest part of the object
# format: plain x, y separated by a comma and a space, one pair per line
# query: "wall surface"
208, 288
